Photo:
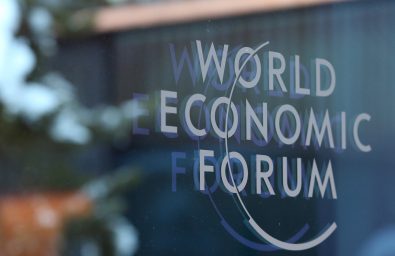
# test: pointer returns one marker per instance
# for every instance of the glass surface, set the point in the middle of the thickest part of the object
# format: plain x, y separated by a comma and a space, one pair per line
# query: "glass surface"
331, 120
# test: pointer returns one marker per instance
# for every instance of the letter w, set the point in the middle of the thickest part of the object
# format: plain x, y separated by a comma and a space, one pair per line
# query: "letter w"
177, 67
205, 64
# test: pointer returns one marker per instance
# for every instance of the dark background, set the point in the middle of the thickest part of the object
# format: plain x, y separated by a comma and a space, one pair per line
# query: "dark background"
359, 41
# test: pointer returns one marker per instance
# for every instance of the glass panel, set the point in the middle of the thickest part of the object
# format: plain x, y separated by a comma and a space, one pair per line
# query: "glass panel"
240, 129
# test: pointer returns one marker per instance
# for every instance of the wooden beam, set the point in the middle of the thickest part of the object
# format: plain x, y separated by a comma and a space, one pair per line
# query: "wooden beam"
132, 16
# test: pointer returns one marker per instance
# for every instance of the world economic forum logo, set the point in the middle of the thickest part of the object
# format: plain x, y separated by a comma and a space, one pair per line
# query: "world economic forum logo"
243, 114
